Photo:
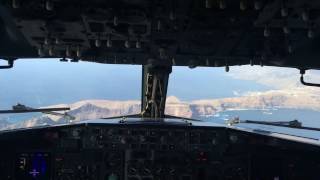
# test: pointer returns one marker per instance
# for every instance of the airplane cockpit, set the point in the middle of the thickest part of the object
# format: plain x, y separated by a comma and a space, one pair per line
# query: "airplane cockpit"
159, 35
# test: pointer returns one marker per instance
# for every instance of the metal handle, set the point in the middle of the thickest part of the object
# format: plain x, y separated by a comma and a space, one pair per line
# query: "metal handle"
10, 65
302, 72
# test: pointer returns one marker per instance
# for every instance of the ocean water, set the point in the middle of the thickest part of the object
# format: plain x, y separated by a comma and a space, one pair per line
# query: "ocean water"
308, 118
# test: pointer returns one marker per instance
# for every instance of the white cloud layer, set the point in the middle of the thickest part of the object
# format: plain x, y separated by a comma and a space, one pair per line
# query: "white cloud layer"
274, 77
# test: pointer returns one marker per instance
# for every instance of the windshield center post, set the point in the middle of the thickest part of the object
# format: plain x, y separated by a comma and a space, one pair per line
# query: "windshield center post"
154, 90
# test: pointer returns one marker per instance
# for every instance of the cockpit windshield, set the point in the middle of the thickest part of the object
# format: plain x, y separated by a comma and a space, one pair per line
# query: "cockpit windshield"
246, 92
94, 91
90, 90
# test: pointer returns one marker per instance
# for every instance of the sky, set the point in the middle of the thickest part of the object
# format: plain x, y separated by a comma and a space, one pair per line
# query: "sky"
45, 82
273, 77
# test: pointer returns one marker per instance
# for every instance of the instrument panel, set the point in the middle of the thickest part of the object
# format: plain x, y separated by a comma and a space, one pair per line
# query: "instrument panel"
142, 153
151, 152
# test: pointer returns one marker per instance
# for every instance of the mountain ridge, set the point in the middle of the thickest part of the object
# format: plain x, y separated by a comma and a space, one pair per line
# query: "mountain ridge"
298, 98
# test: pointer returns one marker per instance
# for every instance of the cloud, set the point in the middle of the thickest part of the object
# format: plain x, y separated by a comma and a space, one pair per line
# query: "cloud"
274, 77
236, 93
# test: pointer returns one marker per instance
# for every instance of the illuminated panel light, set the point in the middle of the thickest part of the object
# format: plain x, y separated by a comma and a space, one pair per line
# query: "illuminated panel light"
57, 41
257, 5
127, 44
214, 141
68, 52
261, 62
159, 25
310, 33
115, 21
290, 49
46, 41
243, 6
79, 52
97, 43
208, 4
41, 51
51, 51
49, 5
284, 12
222, 4
162, 53
173, 62
34, 173
305, 16
286, 30
172, 16
112, 177
266, 32
138, 44
15, 4
251, 62
233, 138
207, 62
109, 43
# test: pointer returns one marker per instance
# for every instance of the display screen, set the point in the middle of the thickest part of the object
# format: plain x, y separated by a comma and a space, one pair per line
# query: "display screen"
31, 166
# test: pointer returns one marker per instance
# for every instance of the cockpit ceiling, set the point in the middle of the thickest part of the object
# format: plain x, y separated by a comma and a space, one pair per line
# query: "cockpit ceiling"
175, 32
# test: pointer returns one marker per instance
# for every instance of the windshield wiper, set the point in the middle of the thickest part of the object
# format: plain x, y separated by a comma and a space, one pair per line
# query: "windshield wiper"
19, 108
288, 124
124, 118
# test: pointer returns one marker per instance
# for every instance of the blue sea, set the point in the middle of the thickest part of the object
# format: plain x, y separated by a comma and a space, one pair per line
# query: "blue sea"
308, 118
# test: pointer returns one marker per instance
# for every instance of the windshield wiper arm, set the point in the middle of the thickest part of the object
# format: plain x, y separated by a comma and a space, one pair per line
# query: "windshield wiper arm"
19, 108
288, 124
185, 120
42, 110
292, 124
182, 118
